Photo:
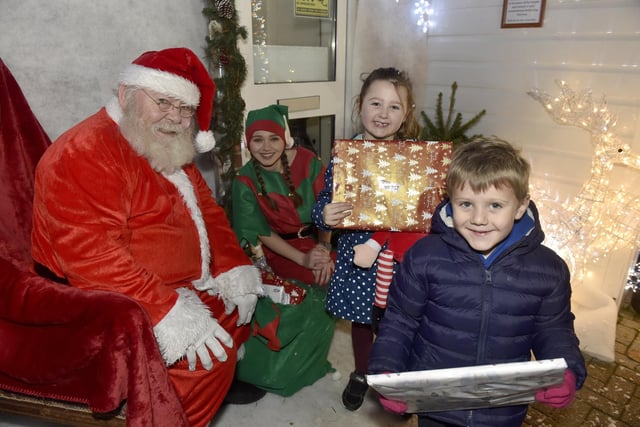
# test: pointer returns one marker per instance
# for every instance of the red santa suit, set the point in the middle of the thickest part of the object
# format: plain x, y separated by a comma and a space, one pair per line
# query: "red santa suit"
105, 219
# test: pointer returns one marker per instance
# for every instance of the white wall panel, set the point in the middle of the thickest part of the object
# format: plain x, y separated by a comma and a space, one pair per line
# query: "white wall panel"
66, 54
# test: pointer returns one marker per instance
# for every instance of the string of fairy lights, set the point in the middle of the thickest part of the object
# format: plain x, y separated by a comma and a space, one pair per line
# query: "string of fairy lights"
423, 10
260, 40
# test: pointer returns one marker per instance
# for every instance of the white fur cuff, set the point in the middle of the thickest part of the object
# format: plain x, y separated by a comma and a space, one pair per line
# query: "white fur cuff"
185, 324
238, 281
373, 244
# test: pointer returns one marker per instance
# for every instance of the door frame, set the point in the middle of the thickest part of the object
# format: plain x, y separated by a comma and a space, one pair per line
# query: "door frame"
331, 93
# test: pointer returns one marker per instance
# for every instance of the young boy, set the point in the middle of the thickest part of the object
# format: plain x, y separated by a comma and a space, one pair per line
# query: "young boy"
481, 288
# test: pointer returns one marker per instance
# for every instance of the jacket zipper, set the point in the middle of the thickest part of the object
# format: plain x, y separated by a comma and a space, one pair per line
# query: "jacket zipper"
486, 305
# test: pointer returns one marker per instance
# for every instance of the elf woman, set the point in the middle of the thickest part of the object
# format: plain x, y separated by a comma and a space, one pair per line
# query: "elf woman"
272, 199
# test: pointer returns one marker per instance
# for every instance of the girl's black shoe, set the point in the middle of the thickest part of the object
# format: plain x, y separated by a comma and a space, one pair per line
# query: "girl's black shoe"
353, 394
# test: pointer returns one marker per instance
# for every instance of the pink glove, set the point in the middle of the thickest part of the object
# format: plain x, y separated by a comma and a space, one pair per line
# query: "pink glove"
559, 396
394, 406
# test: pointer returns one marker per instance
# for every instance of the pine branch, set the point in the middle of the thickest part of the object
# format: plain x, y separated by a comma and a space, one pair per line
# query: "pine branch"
471, 123
439, 117
454, 131
452, 102
429, 130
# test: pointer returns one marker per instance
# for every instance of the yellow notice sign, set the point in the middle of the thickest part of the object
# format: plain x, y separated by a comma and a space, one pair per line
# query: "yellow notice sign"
313, 8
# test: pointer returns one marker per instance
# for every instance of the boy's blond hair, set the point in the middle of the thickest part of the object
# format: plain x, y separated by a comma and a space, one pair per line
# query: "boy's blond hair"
489, 162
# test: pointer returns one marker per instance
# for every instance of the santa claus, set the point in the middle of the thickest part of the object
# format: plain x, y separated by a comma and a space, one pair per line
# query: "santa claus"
120, 206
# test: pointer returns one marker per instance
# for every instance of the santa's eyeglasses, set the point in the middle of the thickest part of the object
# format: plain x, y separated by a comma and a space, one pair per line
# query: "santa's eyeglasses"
165, 106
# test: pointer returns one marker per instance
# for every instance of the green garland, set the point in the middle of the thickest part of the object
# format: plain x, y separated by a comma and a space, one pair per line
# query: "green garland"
229, 71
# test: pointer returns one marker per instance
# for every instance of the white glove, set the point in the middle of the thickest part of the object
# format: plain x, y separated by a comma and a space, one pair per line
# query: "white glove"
246, 306
209, 341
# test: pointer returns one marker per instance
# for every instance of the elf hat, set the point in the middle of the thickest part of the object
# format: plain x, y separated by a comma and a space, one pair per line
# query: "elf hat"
274, 118
178, 73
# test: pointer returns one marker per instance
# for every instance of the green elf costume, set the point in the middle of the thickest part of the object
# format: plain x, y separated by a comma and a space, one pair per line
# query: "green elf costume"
263, 201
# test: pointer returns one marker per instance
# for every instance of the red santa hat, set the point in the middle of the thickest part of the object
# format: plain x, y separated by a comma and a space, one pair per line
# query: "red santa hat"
178, 73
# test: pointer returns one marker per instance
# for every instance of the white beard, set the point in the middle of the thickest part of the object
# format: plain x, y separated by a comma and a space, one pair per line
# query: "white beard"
165, 153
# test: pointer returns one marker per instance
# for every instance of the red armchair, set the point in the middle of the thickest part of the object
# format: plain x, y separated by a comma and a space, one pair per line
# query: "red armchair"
91, 353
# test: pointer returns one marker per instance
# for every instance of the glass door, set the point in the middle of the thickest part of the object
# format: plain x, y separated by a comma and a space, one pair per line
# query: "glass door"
295, 53
293, 41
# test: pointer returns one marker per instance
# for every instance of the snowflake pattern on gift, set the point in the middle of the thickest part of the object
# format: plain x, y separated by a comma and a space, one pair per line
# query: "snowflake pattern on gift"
394, 185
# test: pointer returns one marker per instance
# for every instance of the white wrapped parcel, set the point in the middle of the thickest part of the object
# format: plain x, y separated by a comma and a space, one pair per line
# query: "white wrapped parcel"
470, 387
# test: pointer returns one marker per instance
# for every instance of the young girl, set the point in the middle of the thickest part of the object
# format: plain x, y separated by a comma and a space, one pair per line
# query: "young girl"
272, 198
386, 110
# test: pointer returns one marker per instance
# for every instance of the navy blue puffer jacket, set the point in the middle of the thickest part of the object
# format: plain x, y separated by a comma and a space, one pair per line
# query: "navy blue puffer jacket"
446, 309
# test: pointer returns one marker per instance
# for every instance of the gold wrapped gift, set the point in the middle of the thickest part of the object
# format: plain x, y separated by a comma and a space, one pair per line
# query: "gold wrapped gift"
393, 185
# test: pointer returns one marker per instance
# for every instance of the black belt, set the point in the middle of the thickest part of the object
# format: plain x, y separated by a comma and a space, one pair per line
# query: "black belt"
43, 271
304, 231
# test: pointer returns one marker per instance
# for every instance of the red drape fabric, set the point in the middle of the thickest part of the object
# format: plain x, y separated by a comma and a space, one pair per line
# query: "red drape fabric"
23, 142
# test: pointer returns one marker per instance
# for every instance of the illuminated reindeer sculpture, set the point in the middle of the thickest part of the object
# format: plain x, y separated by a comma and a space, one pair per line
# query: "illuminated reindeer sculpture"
600, 217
